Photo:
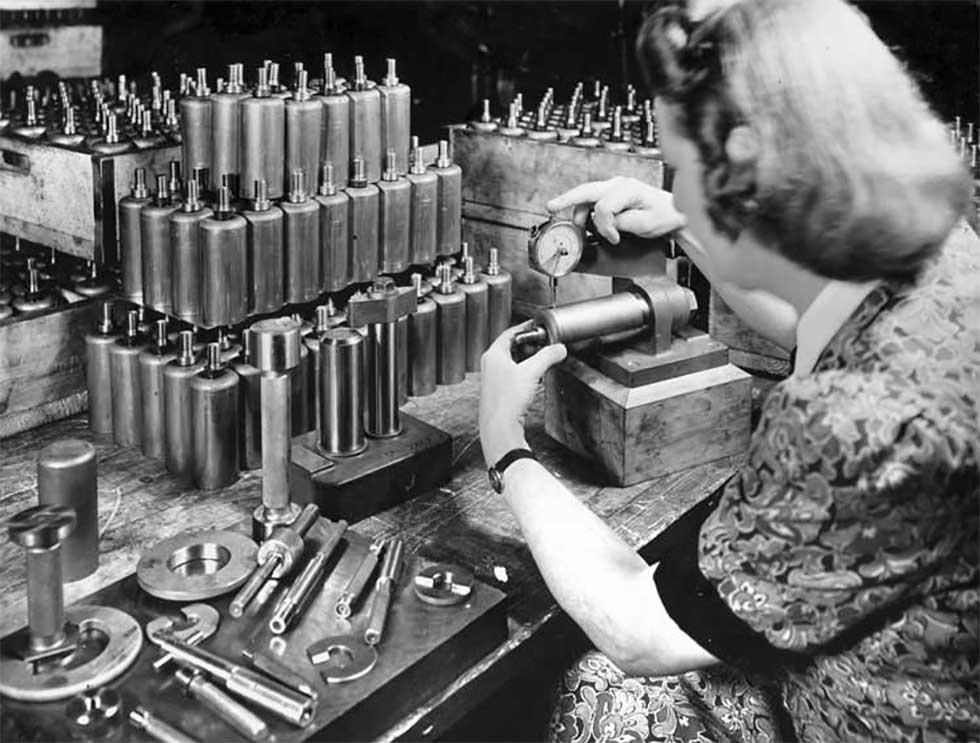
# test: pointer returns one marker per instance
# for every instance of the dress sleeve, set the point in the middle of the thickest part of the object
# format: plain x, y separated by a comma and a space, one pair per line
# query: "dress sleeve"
848, 506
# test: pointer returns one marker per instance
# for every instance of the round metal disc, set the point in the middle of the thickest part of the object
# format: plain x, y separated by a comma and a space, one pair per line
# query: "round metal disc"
342, 658
113, 636
444, 584
197, 565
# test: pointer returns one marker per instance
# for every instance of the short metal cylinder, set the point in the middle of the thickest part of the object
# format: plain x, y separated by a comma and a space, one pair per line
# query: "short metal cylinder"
477, 322
224, 270
304, 119
395, 216
67, 475
157, 257
449, 208
263, 142
335, 135
249, 412
365, 130
266, 259
341, 392
127, 408
214, 400
396, 122
363, 224
130, 247
152, 362
334, 241
276, 441
98, 380
195, 129
226, 121
422, 349
45, 598
186, 249
451, 337
301, 235
179, 417
594, 318
382, 419
499, 286
424, 217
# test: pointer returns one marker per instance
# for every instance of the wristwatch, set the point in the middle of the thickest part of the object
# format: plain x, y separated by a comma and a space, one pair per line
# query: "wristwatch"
496, 472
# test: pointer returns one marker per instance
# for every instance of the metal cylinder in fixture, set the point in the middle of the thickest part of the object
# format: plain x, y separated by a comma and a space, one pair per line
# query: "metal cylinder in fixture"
365, 122
424, 215
249, 406
450, 329
130, 240
67, 476
402, 323
301, 240
382, 419
195, 125
127, 409
395, 216
334, 209
266, 257
396, 117
226, 122
335, 126
363, 225
304, 122
312, 343
304, 419
214, 400
156, 251
186, 248
449, 202
98, 377
178, 413
152, 361
341, 392
263, 138
476, 292
499, 291
224, 265
422, 344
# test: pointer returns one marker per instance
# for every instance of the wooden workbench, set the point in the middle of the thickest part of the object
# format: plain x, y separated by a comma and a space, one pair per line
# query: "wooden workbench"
466, 522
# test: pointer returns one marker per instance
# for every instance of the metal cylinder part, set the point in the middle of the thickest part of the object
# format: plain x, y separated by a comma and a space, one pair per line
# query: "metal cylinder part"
396, 117
424, 209
304, 123
422, 344
152, 361
249, 405
98, 377
395, 216
335, 127
142, 719
67, 476
266, 259
593, 318
449, 202
365, 122
301, 238
186, 249
195, 125
214, 400
382, 419
178, 410
130, 240
263, 138
334, 209
300, 395
363, 225
499, 290
155, 249
237, 715
450, 330
224, 265
477, 296
226, 121
127, 410
341, 401
402, 329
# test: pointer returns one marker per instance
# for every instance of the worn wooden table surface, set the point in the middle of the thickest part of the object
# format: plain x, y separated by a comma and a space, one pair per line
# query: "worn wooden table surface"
465, 522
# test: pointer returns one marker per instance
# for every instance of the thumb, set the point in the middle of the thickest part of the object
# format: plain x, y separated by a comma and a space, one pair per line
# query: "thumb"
544, 359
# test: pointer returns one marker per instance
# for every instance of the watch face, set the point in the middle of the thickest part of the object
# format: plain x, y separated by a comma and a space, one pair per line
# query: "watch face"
496, 481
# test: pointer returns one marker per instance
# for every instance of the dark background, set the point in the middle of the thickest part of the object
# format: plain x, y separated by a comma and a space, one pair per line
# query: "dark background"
455, 53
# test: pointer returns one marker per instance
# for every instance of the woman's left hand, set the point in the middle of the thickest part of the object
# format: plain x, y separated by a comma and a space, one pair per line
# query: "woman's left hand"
506, 390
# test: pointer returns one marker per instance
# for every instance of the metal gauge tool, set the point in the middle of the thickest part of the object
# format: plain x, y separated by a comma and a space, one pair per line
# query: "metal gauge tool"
554, 248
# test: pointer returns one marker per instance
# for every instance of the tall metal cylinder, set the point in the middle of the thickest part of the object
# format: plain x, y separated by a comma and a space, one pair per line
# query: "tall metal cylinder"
178, 410
422, 352
45, 597
334, 208
395, 216
226, 122
424, 210
365, 122
263, 138
301, 236
195, 125
98, 377
67, 476
449, 201
130, 240
214, 400
341, 392
152, 361
335, 125
304, 122
249, 406
224, 265
266, 256
186, 248
476, 292
363, 225
382, 419
127, 409
396, 117
450, 330
156, 250
499, 285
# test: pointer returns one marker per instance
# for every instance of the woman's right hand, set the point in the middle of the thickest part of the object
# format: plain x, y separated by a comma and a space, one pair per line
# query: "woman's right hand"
622, 204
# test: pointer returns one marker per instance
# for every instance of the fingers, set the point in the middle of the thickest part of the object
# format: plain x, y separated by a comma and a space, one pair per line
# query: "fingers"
618, 199
544, 359
642, 222
507, 336
587, 193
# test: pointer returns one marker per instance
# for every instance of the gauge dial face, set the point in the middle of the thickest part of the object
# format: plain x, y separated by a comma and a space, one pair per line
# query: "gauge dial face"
557, 249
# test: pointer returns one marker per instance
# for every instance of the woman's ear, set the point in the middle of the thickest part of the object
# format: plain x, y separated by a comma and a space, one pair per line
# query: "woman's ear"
742, 145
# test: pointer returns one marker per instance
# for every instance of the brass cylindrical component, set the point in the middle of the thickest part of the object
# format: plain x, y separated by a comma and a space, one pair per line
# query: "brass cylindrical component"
422, 345
178, 410
334, 208
341, 392
365, 122
396, 117
67, 476
266, 254
195, 125
450, 330
499, 285
301, 238
363, 225
186, 248
156, 251
593, 318
98, 377
304, 121
424, 209
152, 361
226, 123
214, 400
130, 240
127, 409
449, 202
382, 419
395, 210
263, 138
224, 265
335, 129
476, 292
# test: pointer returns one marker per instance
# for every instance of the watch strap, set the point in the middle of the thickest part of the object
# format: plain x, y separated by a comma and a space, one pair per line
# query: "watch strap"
496, 472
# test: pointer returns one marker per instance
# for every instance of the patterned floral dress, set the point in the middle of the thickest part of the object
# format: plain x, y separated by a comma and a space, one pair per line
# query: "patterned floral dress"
836, 574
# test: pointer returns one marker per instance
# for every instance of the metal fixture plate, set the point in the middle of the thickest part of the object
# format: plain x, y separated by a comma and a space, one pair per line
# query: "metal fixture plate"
197, 565
342, 658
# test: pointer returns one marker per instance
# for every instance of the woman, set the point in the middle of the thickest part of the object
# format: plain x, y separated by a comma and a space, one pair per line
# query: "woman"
831, 593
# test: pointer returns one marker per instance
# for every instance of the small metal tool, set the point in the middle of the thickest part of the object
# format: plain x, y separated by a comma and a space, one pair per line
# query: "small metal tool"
142, 719
355, 586
342, 658
381, 599
202, 622
444, 584
238, 716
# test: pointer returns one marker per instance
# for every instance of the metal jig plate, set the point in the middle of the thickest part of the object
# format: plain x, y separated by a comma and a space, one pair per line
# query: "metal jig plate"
342, 658
197, 565
444, 584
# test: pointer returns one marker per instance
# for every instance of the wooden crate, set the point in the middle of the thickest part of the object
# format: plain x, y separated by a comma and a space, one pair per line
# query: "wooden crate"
42, 365
506, 183
747, 348
66, 198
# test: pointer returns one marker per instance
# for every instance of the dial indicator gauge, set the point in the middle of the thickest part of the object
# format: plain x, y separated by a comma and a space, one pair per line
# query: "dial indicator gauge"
555, 247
